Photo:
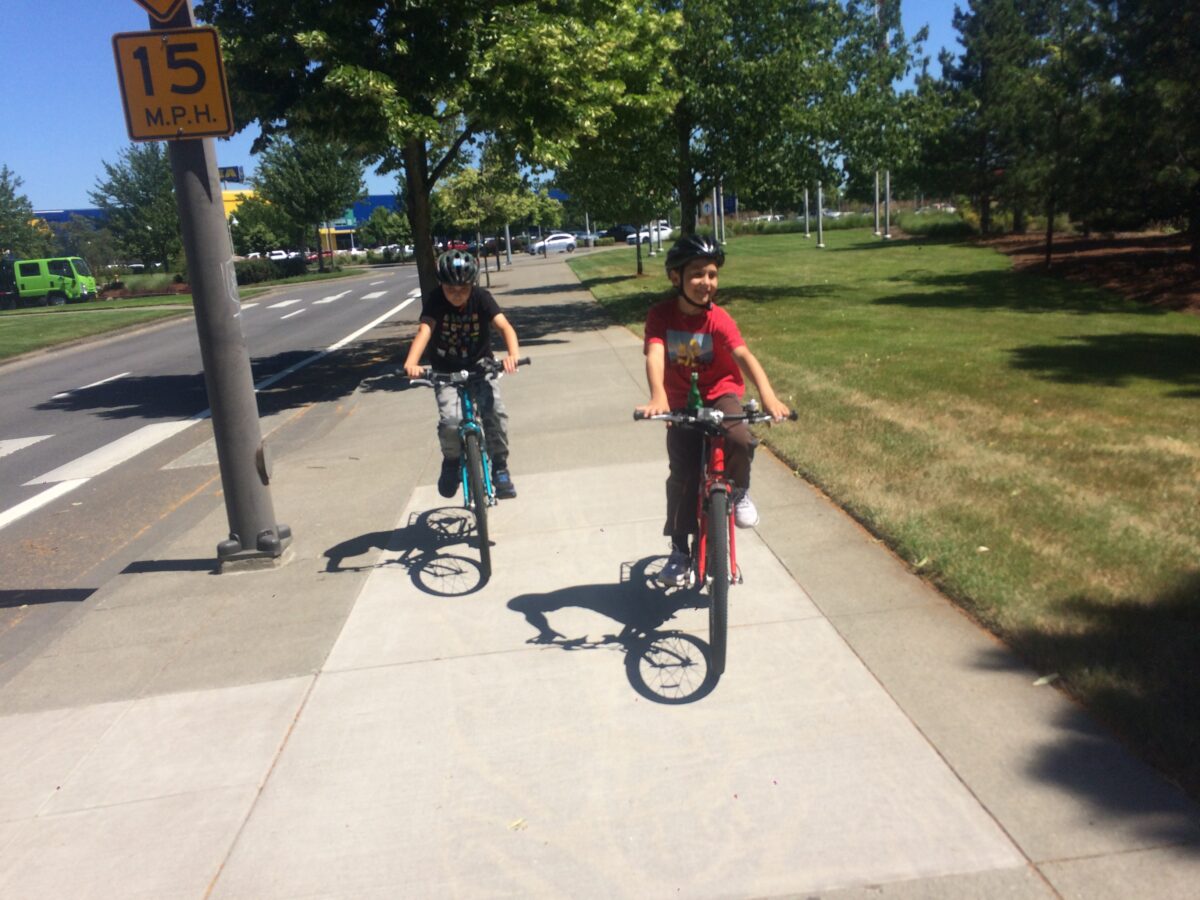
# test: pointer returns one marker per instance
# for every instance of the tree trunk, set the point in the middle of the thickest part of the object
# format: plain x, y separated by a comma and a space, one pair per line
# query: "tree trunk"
1194, 222
985, 213
417, 205
1019, 223
685, 179
1051, 205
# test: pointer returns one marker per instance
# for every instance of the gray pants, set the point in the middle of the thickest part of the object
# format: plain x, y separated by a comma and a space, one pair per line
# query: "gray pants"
489, 412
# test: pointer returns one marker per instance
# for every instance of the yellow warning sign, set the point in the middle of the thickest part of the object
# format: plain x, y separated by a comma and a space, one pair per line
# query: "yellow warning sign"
161, 10
173, 84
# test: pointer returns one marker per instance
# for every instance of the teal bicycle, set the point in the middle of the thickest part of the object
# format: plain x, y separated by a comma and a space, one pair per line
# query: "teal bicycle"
475, 467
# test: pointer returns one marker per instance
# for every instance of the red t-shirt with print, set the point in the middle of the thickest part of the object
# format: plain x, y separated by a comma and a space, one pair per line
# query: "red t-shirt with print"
703, 343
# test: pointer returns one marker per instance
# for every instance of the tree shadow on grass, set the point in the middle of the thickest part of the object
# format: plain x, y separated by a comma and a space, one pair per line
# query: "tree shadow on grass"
1004, 289
771, 293
1141, 661
1113, 360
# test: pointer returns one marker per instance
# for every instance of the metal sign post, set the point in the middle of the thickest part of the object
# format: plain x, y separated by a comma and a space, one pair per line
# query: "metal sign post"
173, 86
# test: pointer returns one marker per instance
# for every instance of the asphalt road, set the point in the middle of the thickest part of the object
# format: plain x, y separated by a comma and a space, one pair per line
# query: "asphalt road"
95, 439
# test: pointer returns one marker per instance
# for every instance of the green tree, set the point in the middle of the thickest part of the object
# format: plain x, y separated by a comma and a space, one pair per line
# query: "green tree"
385, 226
311, 181
991, 103
137, 195
752, 81
1156, 50
82, 236
19, 234
257, 226
409, 84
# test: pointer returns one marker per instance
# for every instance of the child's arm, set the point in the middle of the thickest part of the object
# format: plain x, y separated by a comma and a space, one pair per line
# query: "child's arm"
751, 368
510, 342
656, 367
412, 362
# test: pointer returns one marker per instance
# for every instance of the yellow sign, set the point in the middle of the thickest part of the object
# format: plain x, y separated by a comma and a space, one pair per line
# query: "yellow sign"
173, 84
161, 10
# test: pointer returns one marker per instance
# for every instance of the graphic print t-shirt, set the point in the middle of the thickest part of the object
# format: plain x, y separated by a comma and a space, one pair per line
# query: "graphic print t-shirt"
703, 343
461, 337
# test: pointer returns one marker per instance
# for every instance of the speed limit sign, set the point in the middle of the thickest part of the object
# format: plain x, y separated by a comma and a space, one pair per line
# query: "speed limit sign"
173, 84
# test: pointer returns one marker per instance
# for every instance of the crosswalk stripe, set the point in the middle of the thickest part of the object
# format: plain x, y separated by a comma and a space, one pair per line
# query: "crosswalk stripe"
12, 445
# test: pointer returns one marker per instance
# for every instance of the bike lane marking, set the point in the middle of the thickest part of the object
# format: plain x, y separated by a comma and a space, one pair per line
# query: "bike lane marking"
12, 445
62, 394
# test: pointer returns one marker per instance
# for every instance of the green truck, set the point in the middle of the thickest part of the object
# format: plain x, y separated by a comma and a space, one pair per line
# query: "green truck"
45, 282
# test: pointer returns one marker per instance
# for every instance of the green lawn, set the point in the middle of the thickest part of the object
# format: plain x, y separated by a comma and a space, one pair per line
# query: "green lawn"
1031, 446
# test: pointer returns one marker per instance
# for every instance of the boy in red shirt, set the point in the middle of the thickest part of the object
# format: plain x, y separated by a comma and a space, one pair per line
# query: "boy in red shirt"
690, 333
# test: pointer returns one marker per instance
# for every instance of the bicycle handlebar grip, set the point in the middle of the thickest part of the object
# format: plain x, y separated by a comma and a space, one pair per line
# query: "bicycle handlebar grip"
793, 416
638, 415
524, 361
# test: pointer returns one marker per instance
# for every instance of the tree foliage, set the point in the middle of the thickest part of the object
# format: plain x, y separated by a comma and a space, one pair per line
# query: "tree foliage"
257, 226
137, 196
310, 180
409, 84
20, 235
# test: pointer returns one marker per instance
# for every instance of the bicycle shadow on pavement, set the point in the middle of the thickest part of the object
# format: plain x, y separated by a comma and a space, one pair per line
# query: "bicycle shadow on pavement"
421, 548
666, 666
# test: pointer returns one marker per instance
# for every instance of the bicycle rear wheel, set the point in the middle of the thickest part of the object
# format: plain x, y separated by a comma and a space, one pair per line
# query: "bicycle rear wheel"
718, 577
479, 502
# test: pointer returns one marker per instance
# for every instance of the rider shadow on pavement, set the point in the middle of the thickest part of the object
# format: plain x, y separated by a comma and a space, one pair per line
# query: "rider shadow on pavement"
421, 548
666, 666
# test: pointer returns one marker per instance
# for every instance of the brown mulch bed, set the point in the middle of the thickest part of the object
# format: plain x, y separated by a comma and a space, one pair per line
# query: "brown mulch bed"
125, 293
1149, 268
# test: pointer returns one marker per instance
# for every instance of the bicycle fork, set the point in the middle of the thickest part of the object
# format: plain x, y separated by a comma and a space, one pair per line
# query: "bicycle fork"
466, 426
713, 479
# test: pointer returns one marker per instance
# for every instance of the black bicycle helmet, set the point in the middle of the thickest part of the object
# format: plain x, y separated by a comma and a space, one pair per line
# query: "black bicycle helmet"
694, 246
457, 267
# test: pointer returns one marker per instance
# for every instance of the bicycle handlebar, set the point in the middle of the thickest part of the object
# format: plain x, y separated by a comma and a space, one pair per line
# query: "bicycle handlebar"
487, 369
707, 417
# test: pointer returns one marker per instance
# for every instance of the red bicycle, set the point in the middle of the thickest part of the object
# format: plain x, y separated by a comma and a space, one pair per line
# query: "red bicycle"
714, 553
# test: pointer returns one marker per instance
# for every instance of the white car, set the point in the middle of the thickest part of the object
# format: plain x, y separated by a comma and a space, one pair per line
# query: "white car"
654, 232
558, 242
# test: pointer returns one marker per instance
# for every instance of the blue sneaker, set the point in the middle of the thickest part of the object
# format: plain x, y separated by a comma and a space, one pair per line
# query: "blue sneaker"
448, 480
503, 484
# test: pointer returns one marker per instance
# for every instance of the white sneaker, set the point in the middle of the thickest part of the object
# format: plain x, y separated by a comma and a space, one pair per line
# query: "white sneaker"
677, 571
745, 513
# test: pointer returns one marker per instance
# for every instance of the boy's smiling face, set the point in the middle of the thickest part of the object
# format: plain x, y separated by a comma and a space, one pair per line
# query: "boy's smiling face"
457, 294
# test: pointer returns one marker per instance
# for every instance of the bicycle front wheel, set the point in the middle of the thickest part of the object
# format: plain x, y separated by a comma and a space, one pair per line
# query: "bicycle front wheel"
718, 577
479, 502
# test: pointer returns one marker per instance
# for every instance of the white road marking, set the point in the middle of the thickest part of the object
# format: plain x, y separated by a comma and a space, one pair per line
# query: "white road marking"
246, 306
10, 515
373, 283
70, 476
289, 315
123, 448
332, 297
283, 303
374, 295
12, 445
308, 361
415, 292
92, 385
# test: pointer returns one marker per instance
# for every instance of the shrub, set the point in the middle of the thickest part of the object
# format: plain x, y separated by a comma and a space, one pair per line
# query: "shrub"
935, 225
252, 271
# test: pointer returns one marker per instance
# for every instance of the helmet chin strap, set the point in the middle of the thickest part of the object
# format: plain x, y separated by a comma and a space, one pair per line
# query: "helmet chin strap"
682, 286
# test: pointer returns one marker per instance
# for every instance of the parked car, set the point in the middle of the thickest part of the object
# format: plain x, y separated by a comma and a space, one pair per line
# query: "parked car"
655, 232
558, 242
620, 232
583, 237
456, 245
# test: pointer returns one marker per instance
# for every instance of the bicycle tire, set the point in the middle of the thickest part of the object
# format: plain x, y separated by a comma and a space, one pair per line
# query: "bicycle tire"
718, 578
479, 502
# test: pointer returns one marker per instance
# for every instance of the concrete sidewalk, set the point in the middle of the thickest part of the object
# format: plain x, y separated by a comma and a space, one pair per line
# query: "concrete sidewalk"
368, 720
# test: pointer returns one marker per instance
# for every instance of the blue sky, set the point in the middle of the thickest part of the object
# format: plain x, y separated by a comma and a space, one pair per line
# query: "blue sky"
63, 114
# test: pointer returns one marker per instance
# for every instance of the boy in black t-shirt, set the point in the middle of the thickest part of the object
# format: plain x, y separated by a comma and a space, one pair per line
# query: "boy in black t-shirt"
457, 319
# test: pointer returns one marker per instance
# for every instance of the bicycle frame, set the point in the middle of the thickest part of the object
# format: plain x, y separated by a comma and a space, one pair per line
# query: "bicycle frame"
712, 476
467, 424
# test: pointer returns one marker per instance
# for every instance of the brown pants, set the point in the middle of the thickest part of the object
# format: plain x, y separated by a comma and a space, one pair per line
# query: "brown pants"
684, 456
